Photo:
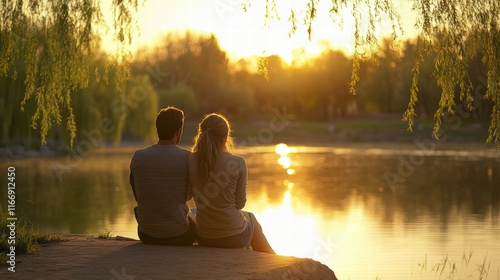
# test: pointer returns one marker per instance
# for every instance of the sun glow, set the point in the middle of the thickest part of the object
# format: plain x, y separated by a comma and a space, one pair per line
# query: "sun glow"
284, 160
289, 233
295, 227
246, 34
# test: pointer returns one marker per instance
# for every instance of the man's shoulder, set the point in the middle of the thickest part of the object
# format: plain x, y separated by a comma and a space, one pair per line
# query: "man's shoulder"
156, 149
180, 153
183, 150
142, 150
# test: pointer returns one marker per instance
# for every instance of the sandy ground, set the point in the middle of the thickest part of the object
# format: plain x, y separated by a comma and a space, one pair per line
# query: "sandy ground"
84, 257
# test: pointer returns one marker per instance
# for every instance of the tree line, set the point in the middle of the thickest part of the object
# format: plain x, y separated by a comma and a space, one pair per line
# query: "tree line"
192, 72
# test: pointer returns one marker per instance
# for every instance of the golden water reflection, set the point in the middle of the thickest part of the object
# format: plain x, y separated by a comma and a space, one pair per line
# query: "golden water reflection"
297, 228
352, 240
356, 245
291, 230
331, 204
283, 150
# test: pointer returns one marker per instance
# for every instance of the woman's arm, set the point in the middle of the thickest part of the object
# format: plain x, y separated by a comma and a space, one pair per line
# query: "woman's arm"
241, 187
189, 192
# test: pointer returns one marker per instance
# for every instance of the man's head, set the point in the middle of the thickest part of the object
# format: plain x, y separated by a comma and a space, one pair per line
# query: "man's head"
169, 121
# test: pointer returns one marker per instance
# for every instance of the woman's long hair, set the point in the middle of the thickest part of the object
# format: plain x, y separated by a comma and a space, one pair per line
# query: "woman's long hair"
213, 138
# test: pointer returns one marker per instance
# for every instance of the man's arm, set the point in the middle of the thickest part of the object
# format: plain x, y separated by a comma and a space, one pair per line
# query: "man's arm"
132, 184
189, 189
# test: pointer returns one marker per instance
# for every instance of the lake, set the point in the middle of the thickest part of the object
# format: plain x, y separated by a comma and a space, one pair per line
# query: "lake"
368, 211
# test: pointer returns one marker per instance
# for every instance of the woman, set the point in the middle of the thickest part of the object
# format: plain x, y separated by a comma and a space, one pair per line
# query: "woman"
218, 180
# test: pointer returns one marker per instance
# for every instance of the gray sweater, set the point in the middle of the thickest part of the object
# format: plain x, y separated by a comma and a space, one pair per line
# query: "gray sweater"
158, 176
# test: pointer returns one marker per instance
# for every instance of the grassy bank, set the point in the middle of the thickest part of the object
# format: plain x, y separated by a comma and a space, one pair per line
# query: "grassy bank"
376, 128
270, 130
27, 237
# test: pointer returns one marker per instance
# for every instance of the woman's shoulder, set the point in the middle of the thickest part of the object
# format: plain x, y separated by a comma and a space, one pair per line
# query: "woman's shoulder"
233, 157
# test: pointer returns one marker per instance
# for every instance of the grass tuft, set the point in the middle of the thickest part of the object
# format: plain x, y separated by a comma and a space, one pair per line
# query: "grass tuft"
105, 234
448, 268
28, 238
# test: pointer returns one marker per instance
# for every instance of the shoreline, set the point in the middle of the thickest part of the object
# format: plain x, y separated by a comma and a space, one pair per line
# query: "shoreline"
88, 257
130, 147
377, 129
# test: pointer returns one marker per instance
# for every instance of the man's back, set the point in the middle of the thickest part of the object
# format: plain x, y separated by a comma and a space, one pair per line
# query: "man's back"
159, 178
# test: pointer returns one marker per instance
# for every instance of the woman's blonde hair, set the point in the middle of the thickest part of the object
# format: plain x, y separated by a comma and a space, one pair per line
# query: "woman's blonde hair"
213, 138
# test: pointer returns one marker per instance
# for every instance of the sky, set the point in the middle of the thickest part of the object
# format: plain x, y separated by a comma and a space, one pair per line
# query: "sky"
244, 34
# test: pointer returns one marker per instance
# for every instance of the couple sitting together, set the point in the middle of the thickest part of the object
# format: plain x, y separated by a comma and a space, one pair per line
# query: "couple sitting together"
164, 177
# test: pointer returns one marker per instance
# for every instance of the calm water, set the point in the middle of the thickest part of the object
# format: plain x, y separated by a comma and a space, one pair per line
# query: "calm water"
390, 211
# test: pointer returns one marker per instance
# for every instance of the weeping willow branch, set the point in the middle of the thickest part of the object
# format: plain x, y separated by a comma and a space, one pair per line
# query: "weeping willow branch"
455, 31
55, 40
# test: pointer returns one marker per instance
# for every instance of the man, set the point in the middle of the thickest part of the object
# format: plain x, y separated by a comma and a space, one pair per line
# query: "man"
158, 176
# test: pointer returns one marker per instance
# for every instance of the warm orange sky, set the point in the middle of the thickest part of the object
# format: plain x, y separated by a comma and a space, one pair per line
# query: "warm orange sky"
243, 34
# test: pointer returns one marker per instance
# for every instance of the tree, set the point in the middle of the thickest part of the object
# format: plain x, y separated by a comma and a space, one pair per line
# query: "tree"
332, 70
180, 96
274, 87
194, 64
455, 30
69, 32
380, 82
54, 39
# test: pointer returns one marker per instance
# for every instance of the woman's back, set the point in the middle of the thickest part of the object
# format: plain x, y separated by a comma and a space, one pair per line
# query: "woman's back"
220, 199
218, 180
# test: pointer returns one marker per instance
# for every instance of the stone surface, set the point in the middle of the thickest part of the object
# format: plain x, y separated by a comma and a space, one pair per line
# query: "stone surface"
83, 257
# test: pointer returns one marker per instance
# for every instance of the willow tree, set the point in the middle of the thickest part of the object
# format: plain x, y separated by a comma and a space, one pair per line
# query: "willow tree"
455, 31
55, 40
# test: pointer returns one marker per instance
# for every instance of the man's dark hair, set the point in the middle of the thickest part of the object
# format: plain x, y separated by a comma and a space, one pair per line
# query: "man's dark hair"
168, 121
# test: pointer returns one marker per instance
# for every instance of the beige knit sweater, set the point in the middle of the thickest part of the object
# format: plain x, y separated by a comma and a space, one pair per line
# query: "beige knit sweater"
220, 200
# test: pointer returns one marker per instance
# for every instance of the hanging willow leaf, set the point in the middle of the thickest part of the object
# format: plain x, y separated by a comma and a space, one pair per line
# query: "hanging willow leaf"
55, 39
454, 30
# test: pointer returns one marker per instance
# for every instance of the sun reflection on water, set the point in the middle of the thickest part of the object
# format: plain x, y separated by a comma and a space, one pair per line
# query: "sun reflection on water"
285, 161
288, 232
316, 202
296, 226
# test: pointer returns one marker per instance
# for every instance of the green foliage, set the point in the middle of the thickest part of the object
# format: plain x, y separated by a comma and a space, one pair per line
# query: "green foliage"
455, 31
191, 70
54, 40
15, 124
105, 234
236, 100
51, 65
28, 238
449, 268
181, 96
143, 108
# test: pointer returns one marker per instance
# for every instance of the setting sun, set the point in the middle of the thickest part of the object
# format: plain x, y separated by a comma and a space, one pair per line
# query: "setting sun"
245, 33
222, 139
